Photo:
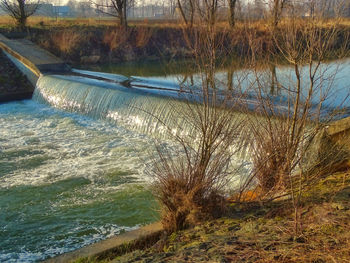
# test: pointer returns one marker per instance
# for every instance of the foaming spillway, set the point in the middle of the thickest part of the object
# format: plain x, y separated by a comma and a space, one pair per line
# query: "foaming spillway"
146, 110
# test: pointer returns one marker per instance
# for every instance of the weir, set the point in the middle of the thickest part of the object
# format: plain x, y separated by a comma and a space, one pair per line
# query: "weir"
137, 103
147, 111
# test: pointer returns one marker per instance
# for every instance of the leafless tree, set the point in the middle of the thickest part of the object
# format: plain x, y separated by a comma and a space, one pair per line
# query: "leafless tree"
208, 10
232, 5
72, 4
172, 7
20, 10
277, 9
187, 11
116, 8
259, 9
286, 131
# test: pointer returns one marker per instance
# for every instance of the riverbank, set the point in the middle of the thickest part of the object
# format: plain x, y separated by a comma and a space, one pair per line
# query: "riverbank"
99, 43
13, 84
263, 233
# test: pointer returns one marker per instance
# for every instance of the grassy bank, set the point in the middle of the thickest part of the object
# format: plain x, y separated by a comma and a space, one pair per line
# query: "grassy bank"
258, 233
89, 41
13, 84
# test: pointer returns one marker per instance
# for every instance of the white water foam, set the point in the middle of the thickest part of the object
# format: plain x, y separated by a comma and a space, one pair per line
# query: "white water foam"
67, 181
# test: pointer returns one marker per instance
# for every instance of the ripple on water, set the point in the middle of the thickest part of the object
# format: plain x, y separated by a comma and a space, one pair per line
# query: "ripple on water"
67, 181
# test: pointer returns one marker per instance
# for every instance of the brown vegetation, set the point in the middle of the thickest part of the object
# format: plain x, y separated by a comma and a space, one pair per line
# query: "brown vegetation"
190, 186
149, 39
263, 233
288, 136
280, 136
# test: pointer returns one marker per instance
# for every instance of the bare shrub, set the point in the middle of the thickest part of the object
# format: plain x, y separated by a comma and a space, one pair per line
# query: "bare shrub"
190, 185
284, 135
286, 129
189, 181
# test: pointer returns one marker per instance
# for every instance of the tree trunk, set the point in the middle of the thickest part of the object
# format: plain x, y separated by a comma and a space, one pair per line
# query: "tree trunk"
125, 21
275, 17
192, 13
278, 6
182, 11
232, 12
22, 19
121, 18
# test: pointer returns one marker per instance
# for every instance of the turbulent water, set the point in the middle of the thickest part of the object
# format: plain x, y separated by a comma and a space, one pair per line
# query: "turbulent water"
67, 181
73, 160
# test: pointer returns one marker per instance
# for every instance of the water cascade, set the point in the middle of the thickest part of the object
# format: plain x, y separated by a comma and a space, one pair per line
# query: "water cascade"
150, 111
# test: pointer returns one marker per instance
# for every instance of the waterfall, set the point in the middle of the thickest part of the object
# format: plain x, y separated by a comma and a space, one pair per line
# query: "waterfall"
144, 110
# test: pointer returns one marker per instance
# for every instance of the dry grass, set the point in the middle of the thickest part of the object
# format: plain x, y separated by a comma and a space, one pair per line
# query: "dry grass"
259, 25
265, 234
39, 21
115, 38
68, 40
143, 36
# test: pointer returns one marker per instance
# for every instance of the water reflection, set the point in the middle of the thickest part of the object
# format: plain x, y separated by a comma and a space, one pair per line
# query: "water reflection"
275, 87
157, 68
276, 80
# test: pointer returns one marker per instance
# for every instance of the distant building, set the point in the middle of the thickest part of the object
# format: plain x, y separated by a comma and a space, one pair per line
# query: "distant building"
52, 11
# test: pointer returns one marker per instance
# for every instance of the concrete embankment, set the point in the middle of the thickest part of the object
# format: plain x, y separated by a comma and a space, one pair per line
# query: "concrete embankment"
142, 237
339, 131
21, 64
13, 84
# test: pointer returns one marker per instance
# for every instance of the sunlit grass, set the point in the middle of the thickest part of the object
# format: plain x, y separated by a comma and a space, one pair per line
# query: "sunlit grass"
260, 25
39, 21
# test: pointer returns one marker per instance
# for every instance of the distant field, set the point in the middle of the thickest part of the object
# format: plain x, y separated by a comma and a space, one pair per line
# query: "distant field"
40, 21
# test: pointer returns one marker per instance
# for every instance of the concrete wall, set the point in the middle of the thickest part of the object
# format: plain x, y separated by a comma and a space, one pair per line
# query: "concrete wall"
31, 76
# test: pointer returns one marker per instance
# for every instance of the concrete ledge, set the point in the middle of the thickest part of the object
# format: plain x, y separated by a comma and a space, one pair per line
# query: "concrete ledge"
109, 246
339, 126
38, 60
